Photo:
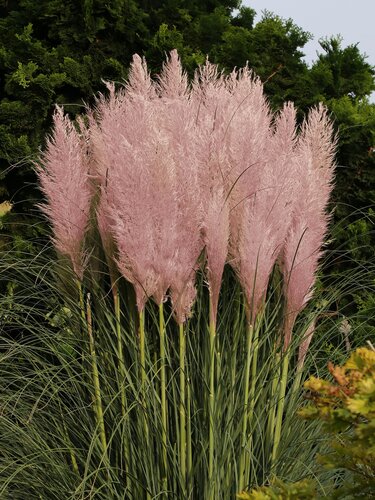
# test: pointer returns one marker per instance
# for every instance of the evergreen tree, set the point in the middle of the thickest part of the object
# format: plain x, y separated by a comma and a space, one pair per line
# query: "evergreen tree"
343, 80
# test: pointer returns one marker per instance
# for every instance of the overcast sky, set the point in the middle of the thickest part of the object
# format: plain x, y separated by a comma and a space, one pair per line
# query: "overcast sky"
354, 20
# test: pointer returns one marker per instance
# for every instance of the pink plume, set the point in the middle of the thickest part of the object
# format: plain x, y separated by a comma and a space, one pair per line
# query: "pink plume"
253, 187
177, 119
212, 104
142, 145
302, 249
65, 181
128, 206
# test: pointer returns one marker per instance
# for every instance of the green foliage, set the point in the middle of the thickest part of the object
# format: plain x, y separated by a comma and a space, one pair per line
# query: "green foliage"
341, 71
355, 121
302, 490
245, 18
343, 79
277, 56
346, 406
51, 444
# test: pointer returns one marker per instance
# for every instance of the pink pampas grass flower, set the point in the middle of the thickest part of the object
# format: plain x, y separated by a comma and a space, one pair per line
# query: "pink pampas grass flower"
177, 120
66, 184
257, 193
142, 145
302, 249
211, 102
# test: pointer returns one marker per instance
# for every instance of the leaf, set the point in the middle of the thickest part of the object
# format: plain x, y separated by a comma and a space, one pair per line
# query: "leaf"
5, 207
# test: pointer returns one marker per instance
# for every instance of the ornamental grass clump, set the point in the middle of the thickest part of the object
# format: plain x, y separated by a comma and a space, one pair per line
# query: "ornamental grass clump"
214, 207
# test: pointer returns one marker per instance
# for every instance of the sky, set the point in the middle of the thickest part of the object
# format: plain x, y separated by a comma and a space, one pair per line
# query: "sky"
354, 21
322, 18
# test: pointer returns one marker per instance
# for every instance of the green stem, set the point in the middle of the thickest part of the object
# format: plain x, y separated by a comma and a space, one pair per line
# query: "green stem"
182, 407
296, 384
241, 474
81, 301
96, 381
295, 391
71, 450
280, 407
236, 339
162, 335
142, 352
121, 368
211, 413
120, 354
254, 367
189, 449
272, 405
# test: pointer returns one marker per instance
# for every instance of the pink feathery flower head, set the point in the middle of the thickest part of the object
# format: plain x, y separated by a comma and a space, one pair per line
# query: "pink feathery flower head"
184, 243
267, 214
143, 148
110, 113
178, 235
122, 143
256, 191
215, 233
105, 223
303, 246
117, 125
65, 181
247, 133
105, 116
212, 104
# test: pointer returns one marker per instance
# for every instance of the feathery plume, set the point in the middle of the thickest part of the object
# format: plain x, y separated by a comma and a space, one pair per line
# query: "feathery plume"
116, 135
254, 188
302, 249
127, 203
211, 102
177, 119
65, 181
172, 82
139, 144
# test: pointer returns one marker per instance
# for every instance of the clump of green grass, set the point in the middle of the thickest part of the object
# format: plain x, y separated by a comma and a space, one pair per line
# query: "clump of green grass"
52, 444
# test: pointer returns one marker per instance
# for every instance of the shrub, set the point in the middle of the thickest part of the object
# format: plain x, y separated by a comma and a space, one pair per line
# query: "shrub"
346, 406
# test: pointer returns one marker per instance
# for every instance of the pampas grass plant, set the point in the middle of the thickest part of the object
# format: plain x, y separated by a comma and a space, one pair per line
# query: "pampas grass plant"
155, 358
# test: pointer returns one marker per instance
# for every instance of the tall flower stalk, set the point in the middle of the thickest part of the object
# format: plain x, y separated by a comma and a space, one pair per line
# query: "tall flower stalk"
96, 382
309, 222
65, 180
163, 394
260, 202
211, 101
